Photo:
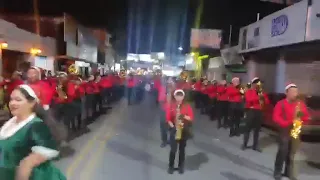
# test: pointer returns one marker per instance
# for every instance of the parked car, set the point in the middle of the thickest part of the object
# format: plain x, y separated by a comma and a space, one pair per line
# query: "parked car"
312, 127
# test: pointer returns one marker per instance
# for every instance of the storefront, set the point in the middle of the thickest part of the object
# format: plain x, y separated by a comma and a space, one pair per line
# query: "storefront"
283, 47
20, 49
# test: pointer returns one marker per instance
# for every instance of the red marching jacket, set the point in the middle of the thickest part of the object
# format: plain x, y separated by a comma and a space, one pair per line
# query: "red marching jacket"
185, 109
284, 112
234, 94
222, 93
252, 99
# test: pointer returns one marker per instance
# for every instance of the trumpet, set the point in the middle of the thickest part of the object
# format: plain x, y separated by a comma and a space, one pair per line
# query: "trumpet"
72, 69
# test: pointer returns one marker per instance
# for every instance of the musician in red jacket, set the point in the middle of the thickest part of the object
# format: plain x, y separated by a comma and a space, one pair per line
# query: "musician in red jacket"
235, 106
64, 96
90, 98
223, 104
197, 92
212, 94
255, 101
284, 114
185, 117
10, 85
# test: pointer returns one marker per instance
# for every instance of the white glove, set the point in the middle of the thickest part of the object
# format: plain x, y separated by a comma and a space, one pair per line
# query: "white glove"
46, 107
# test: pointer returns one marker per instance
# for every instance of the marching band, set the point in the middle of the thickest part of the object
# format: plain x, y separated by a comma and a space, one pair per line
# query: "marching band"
76, 101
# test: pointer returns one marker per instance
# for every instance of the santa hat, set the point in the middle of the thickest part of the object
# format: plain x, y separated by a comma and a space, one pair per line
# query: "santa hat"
179, 91
62, 74
290, 85
38, 70
255, 80
235, 79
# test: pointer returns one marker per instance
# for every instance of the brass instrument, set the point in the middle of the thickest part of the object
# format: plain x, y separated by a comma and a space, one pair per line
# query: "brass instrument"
297, 123
72, 69
178, 124
122, 73
260, 94
61, 92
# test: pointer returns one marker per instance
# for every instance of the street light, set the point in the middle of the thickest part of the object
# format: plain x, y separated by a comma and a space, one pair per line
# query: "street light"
35, 51
180, 48
3, 45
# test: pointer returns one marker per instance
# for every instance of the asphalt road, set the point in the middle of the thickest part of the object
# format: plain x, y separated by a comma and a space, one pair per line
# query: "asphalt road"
125, 145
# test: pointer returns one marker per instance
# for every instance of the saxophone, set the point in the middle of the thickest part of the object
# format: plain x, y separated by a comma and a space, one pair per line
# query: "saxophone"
178, 123
297, 123
61, 92
260, 94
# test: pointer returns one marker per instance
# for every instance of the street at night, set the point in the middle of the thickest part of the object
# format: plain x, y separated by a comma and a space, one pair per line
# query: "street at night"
128, 147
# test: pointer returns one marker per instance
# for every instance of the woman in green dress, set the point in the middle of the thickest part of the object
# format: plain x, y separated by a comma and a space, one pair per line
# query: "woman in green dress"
26, 144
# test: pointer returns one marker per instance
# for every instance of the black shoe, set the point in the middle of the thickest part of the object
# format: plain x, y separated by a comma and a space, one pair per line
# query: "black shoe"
277, 177
170, 170
164, 144
181, 170
243, 147
257, 149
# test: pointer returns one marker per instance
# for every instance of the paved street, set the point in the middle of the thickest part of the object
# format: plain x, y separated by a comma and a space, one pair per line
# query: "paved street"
124, 145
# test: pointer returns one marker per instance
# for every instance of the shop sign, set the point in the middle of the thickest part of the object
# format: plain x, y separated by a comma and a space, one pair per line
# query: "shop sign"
313, 22
284, 27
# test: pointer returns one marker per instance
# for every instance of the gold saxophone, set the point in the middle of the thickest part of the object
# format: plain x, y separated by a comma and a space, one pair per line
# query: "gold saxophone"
297, 123
260, 94
61, 93
178, 123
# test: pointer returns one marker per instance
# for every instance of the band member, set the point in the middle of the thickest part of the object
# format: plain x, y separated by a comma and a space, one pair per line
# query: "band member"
27, 145
212, 94
165, 98
179, 117
235, 106
64, 96
255, 101
98, 108
204, 97
10, 85
197, 92
285, 113
90, 98
130, 88
223, 104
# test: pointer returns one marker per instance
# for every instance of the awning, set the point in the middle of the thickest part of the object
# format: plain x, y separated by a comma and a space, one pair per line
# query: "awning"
237, 68
73, 58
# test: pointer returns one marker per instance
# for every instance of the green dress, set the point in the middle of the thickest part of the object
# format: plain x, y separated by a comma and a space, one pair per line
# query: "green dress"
18, 146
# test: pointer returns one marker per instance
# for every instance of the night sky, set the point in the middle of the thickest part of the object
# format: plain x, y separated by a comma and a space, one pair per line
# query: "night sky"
116, 16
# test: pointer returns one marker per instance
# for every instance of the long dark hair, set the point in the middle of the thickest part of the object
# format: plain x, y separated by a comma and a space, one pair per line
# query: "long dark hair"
58, 131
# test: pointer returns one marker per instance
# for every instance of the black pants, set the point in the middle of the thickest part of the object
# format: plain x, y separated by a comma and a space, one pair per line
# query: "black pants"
163, 127
197, 99
106, 95
235, 112
66, 113
287, 148
174, 147
90, 105
204, 103
253, 123
130, 95
223, 113
213, 108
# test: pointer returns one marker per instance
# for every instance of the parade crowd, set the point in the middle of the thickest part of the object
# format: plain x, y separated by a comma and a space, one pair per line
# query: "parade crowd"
48, 111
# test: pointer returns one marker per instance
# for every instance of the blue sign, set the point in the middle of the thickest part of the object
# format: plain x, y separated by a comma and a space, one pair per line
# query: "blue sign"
279, 25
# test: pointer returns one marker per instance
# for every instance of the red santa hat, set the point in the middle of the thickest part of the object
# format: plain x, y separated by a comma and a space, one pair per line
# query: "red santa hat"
179, 91
255, 80
290, 85
38, 70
